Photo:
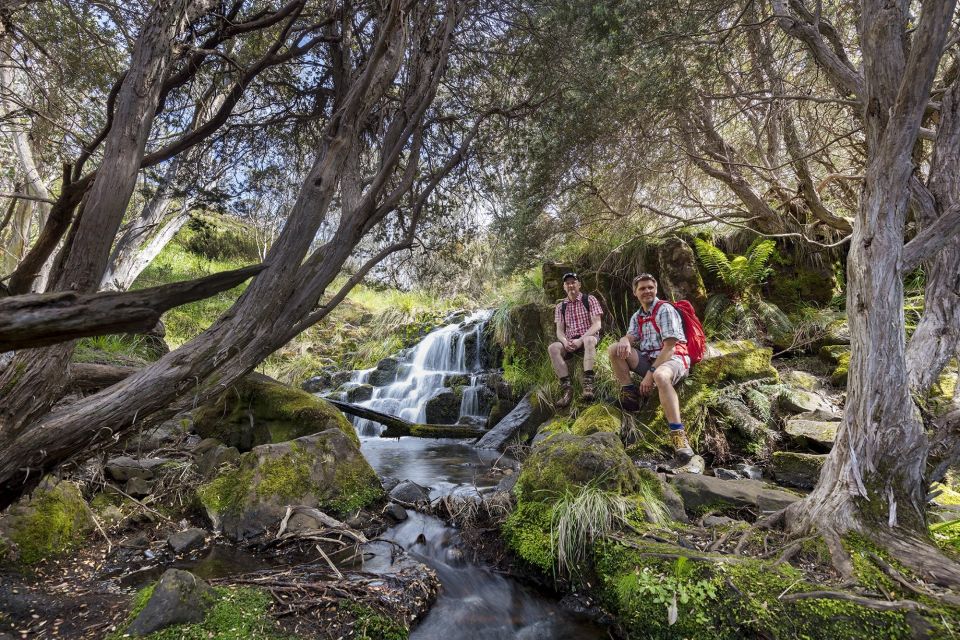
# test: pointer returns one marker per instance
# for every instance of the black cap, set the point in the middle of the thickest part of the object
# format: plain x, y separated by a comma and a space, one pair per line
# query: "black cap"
569, 274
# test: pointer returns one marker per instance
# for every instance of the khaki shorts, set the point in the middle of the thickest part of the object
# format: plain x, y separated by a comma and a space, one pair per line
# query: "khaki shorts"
679, 369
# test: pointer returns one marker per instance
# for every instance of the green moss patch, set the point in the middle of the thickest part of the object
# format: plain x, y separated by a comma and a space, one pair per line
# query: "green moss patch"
597, 418
53, 521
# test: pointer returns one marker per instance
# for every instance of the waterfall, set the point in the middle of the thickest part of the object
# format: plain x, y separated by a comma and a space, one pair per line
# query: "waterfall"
445, 356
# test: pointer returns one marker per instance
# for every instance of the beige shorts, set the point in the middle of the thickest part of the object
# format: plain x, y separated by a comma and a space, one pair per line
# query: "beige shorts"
675, 364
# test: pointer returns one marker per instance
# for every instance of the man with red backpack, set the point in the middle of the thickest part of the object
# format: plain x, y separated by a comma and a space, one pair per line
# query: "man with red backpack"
655, 348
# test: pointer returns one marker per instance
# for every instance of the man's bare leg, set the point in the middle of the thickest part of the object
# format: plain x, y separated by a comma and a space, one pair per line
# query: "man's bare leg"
669, 400
622, 366
556, 352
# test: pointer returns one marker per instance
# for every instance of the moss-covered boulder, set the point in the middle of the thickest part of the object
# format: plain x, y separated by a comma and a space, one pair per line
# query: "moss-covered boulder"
443, 408
259, 410
597, 418
795, 285
527, 329
801, 380
678, 276
801, 470
325, 470
839, 357
53, 520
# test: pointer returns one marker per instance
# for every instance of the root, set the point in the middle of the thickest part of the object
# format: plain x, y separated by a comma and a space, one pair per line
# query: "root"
921, 557
870, 603
839, 557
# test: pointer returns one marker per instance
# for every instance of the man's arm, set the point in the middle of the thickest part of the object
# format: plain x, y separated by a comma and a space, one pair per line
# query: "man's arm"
594, 327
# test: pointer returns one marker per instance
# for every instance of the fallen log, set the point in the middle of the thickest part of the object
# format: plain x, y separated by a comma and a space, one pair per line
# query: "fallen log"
397, 427
39, 319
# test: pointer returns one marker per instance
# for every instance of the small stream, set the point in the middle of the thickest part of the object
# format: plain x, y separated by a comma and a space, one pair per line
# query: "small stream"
475, 602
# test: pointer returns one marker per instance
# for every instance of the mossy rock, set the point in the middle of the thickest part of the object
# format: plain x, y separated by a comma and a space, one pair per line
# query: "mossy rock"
801, 470
732, 600
52, 521
528, 329
679, 278
259, 410
597, 418
801, 380
838, 356
794, 285
325, 470
940, 398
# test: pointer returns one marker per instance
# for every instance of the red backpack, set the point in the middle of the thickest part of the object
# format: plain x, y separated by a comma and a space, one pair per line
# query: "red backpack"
696, 345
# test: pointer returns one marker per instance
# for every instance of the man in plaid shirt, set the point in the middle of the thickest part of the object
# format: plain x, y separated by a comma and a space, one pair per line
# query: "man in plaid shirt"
577, 333
655, 348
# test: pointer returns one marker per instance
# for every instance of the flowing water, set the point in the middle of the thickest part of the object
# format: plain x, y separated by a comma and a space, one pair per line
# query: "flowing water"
475, 602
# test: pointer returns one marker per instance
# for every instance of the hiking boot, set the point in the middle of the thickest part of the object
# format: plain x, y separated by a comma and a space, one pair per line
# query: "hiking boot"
587, 389
629, 399
566, 397
682, 451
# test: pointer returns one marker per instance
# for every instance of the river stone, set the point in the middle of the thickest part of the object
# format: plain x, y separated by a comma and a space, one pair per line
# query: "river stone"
409, 492
179, 598
443, 408
259, 410
520, 424
385, 372
801, 470
726, 474
396, 512
800, 401
316, 383
819, 435
212, 457
358, 392
325, 470
751, 471
705, 492
801, 380
187, 540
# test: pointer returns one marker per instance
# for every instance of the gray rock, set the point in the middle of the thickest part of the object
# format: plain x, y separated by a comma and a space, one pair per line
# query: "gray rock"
521, 423
187, 540
122, 468
385, 373
138, 487
673, 502
456, 380
695, 465
800, 401
409, 492
210, 461
179, 598
357, 392
396, 512
507, 483
726, 474
801, 470
719, 521
704, 492
443, 408
802, 380
818, 435
751, 471
317, 383
388, 483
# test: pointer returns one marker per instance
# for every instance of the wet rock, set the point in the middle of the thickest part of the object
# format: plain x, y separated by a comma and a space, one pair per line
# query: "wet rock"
258, 410
726, 474
507, 483
388, 483
138, 487
409, 492
520, 424
454, 557
443, 408
801, 470
819, 435
751, 471
187, 540
456, 380
317, 383
325, 470
704, 492
179, 598
396, 512
358, 392
385, 373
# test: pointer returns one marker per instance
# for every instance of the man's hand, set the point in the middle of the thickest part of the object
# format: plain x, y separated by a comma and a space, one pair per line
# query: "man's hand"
646, 385
570, 345
623, 349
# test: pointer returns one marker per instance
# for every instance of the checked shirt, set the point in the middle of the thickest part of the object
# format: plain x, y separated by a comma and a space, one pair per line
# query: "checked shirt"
646, 339
577, 321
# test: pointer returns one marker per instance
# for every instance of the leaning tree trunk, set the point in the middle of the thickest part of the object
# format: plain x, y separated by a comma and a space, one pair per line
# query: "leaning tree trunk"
874, 480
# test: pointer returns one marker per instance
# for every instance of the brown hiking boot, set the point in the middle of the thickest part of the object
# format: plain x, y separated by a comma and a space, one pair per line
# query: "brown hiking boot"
629, 399
566, 397
587, 389
681, 446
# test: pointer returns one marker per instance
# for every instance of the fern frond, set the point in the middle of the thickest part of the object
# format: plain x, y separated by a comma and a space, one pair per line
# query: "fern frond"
713, 259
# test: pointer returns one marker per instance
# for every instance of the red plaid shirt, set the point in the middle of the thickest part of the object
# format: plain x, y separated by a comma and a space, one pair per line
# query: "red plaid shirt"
577, 320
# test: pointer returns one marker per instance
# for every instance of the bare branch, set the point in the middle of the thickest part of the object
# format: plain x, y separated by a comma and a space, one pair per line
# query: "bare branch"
931, 239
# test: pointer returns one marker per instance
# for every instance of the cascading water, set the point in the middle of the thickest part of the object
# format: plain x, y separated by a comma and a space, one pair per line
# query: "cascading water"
424, 371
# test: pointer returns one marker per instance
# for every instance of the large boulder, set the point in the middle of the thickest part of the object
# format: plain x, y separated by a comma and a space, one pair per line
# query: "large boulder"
178, 598
527, 329
679, 278
385, 372
53, 520
520, 424
794, 285
325, 470
703, 493
443, 408
259, 410
799, 401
